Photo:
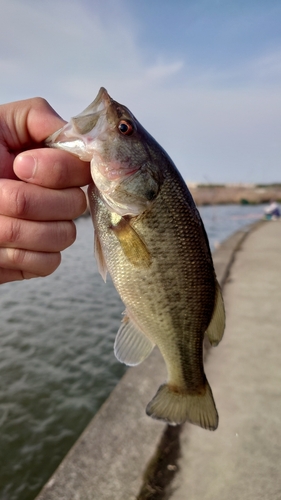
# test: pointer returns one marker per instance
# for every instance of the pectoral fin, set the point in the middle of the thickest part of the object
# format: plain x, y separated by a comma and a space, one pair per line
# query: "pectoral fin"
131, 345
216, 327
131, 243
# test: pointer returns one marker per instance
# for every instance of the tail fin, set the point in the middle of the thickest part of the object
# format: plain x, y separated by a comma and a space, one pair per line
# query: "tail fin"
175, 408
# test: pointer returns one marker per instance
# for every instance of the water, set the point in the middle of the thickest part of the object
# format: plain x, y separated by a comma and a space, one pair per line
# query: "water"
56, 358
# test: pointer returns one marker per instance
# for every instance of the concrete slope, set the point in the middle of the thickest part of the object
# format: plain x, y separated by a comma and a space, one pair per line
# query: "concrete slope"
242, 459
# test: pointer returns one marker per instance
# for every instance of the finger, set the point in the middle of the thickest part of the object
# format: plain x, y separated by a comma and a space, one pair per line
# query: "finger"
7, 275
24, 125
28, 122
52, 168
27, 201
24, 264
36, 236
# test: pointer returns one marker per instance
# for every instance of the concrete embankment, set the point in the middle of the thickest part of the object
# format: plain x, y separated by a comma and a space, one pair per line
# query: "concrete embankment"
124, 455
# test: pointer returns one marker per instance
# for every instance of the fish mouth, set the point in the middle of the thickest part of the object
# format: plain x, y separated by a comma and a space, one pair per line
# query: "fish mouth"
79, 135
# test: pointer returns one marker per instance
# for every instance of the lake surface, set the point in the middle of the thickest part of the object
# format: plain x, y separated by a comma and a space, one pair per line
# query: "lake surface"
56, 355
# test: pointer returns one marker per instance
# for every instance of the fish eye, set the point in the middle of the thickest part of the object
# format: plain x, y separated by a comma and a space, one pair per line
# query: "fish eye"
125, 127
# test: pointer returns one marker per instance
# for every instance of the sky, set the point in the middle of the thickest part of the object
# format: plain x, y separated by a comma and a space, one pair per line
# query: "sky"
202, 76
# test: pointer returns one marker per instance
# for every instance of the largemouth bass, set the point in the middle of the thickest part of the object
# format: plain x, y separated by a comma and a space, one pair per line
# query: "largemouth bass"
149, 236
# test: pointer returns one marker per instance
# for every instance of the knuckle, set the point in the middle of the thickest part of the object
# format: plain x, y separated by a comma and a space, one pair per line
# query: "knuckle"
10, 231
14, 234
21, 202
14, 199
18, 200
16, 257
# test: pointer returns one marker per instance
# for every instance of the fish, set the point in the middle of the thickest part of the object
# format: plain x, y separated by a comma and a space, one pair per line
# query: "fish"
150, 237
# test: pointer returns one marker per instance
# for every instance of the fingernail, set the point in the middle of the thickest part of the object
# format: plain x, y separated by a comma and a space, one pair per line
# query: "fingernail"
25, 166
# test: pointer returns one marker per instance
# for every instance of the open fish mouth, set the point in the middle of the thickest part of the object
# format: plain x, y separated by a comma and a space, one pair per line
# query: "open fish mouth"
84, 129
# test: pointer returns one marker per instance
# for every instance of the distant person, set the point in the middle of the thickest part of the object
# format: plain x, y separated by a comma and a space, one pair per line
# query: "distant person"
39, 192
272, 211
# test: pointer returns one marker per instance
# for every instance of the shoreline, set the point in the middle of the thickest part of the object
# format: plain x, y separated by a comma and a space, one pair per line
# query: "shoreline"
211, 194
228, 194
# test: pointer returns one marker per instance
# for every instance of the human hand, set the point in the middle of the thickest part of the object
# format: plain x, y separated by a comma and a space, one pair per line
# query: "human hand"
39, 192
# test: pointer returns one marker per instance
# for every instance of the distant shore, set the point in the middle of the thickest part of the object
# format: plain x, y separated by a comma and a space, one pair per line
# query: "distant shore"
228, 194
211, 194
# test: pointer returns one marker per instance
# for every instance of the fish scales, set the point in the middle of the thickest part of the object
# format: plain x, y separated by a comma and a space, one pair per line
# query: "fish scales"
149, 236
159, 298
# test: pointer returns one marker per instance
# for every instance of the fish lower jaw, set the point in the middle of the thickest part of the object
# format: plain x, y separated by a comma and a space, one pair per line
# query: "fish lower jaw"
106, 173
114, 171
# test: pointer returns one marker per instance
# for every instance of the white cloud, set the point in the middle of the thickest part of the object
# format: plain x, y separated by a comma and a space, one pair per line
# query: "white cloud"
56, 43
65, 50
162, 70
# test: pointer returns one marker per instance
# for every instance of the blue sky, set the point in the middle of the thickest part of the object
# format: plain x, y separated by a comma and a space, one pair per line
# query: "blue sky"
203, 76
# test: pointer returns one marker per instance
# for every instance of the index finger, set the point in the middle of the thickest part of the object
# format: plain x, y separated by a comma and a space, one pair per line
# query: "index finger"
52, 168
